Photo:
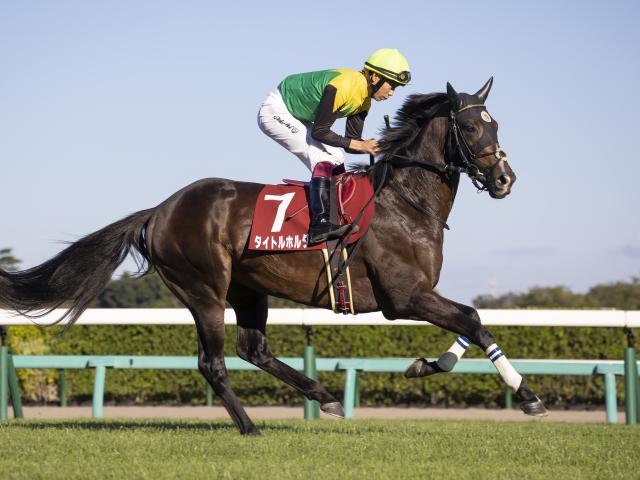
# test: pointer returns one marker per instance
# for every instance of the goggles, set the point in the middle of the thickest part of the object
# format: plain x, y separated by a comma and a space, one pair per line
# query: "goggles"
401, 78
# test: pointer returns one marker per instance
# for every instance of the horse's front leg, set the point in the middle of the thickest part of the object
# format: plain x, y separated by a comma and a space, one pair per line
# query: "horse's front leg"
444, 313
424, 368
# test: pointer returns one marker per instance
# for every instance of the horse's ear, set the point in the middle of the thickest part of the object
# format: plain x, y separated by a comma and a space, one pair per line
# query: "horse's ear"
484, 91
453, 96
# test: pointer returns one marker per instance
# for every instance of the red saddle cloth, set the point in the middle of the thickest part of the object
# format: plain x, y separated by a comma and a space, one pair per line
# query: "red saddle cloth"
281, 217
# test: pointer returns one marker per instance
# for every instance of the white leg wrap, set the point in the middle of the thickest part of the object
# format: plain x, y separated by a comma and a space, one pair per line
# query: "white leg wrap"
504, 367
459, 347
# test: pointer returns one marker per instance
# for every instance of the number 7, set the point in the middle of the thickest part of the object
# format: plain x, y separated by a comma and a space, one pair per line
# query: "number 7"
284, 200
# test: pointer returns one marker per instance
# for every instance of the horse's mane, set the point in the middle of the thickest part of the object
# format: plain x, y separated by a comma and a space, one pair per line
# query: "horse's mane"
417, 110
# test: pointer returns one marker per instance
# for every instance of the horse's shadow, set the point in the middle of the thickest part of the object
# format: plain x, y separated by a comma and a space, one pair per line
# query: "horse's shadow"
159, 426
265, 426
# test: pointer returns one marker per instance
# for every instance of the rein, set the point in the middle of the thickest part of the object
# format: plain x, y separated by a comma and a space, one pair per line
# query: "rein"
414, 163
422, 210
455, 140
466, 166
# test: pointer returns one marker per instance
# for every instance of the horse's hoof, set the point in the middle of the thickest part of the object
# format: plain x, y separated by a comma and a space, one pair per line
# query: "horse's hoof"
420, 368
333, 408
534, 408
253, 431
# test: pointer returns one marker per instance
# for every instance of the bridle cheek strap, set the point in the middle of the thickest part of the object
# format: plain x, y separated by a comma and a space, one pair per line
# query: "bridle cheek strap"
466, 155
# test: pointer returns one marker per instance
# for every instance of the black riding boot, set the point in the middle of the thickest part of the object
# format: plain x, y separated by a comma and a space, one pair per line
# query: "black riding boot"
319, 207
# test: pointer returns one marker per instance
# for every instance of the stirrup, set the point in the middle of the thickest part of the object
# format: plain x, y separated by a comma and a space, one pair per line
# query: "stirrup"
332, 232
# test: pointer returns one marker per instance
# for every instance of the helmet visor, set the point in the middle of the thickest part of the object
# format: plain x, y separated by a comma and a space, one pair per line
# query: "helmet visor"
401, 78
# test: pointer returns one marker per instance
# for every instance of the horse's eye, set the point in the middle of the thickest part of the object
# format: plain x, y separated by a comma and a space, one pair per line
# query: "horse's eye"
469, 127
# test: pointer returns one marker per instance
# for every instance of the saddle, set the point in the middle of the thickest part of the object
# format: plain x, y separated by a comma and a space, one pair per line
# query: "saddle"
281, 216
281, 223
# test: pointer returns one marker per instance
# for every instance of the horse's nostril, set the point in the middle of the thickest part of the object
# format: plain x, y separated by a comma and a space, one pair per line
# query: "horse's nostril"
503, 180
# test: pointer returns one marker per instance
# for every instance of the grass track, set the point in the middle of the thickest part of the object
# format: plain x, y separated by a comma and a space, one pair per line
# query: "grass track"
160, 449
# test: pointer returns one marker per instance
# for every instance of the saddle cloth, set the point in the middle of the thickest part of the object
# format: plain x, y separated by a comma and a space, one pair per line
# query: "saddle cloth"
281, 217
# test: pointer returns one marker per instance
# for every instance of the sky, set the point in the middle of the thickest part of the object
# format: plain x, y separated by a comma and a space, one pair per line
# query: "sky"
107, 108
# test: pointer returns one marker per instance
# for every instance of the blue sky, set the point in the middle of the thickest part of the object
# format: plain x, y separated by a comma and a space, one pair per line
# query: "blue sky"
109, 107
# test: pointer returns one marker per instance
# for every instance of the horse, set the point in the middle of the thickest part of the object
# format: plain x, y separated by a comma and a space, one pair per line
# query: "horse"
197, 241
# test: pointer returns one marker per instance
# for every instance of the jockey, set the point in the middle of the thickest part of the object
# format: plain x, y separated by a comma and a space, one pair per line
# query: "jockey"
300, 112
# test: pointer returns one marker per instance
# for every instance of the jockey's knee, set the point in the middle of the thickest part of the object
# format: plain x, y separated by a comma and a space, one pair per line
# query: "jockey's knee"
319, 153
323, 169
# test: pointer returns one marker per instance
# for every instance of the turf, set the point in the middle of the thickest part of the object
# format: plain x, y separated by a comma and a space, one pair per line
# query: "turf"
159, 449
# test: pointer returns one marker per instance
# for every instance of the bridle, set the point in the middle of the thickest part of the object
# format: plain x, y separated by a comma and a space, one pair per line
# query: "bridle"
466, 156
455, 142
463, 162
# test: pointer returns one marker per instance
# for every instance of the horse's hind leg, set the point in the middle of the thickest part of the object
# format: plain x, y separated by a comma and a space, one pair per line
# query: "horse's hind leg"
210, 322
207, 305
251, 312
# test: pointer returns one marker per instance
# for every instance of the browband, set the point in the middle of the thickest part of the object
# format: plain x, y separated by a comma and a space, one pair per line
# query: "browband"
477, 105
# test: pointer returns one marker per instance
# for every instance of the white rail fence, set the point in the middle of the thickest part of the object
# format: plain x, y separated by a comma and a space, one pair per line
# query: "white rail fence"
314, 317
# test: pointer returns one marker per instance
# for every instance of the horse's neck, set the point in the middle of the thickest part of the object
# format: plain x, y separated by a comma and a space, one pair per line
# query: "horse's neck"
426, 187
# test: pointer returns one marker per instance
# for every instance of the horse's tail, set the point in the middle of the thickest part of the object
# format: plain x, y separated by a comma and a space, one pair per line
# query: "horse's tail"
77, 275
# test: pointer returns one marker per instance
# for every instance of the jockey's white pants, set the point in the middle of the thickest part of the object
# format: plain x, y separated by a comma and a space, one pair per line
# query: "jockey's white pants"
277, 122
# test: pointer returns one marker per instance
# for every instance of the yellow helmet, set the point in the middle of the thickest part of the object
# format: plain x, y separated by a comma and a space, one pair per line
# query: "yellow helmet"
389, 63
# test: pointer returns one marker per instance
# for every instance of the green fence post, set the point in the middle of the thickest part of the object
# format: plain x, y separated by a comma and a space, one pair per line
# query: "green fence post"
209, 395
62, 387
14, 388
98, 391
311, 407
4, 375
610, 397
350, 376
630, 381
356, 400
4, 383
637, 393
508, 398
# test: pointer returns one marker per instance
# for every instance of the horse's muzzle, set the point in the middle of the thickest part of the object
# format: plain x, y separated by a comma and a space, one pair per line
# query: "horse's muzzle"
501, 180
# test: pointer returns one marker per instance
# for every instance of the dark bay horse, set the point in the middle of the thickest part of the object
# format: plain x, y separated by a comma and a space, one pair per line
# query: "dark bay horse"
197, 241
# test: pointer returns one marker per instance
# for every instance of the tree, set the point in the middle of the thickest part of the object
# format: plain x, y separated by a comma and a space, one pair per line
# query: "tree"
621, 295
7, 261
275, 302
625, 296
130, 291
149, 291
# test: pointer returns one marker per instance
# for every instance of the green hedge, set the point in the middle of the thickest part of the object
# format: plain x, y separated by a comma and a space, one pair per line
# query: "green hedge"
171, 386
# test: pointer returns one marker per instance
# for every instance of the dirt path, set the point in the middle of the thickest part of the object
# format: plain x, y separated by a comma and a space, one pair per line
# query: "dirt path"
271, 413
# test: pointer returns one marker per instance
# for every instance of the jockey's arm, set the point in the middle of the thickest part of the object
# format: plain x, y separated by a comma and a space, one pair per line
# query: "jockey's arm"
353, 132
326, 117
